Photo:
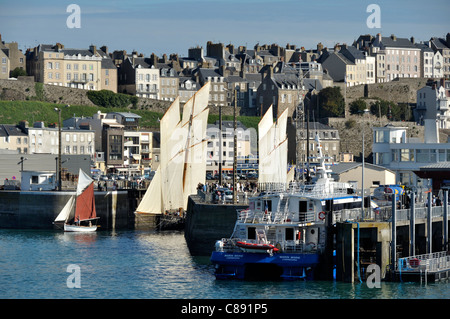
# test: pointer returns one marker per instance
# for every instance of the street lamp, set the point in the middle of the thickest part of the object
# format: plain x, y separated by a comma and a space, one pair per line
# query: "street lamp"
22, 159
366, 111
59, 146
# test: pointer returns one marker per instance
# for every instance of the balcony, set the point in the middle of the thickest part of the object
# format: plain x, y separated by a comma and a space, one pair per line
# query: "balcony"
443, 104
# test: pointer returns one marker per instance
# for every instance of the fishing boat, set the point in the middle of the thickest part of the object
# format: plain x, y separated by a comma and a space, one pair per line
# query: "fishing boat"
85, 217
291, 223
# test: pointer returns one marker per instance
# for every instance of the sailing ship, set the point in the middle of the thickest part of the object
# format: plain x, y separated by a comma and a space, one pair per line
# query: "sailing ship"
84, 202
183, 157
283, 233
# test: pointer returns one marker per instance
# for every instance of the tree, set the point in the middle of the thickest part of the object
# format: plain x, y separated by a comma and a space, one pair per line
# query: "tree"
358, 106
381, 108
18, 72
331, 102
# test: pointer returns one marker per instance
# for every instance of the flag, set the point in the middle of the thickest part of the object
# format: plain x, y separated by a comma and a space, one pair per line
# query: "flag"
266, 208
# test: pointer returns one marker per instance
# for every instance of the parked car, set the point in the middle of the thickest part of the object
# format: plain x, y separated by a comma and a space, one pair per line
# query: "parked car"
218, 195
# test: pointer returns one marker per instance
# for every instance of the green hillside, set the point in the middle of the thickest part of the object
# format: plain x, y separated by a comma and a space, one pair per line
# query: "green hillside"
12, 112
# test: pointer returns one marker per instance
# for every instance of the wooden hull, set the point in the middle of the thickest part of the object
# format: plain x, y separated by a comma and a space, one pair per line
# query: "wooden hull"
76, 228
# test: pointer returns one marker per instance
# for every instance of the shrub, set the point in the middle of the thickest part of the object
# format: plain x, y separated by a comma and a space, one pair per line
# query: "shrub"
108, 98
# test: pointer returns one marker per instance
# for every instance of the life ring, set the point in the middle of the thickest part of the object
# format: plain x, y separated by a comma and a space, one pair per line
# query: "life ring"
414, 262
278, 246
322, 215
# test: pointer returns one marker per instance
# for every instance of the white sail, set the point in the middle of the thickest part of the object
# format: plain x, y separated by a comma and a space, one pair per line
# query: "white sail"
272, 148
84, 181
195, 124
151, 202
183, 155
64, 214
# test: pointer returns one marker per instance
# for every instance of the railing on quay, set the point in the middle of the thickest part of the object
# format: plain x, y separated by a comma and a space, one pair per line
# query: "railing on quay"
425, 263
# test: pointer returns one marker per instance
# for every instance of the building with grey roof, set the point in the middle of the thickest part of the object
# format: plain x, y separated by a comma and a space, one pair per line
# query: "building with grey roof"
402, 56
443, 46
13, 138
374, 175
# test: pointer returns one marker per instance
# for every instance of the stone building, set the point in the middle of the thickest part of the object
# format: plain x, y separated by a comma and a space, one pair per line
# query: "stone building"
138, 77
75, 68
280, 87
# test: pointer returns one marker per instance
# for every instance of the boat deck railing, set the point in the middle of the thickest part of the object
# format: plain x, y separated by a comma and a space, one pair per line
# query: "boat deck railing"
286, 246
301, 189
433, 262
250, 216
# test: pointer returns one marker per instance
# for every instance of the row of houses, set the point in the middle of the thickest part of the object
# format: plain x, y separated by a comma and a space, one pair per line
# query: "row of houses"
236, 72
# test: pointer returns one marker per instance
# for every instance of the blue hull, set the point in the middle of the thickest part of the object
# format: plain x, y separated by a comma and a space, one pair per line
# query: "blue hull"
261, 266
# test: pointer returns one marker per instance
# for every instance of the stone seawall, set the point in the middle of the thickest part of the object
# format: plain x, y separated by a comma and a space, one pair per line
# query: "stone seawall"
206, 223
38, 210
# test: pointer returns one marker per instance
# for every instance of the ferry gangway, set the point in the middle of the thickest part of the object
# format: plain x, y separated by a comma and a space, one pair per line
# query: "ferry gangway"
426, 263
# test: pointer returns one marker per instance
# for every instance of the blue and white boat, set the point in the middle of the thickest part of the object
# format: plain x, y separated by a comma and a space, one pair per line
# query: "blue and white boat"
282, 235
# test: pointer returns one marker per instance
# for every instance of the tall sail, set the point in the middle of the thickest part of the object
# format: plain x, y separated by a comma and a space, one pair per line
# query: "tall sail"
183, 155
85, 203
195, 121
64, 214
173, 138
272, 148
151, 202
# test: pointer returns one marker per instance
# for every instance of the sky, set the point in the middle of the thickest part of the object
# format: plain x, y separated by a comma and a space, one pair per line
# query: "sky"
174, 26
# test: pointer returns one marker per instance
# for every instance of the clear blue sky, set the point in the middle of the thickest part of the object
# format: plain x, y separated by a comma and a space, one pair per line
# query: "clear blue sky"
173, 26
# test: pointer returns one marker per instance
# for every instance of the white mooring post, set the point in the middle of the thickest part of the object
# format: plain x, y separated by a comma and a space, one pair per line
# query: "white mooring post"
394, 235
429, 223
412, 220
445, 235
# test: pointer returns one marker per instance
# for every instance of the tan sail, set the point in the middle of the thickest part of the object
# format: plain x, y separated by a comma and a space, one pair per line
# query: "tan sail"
183, 155
272, 148
151, 202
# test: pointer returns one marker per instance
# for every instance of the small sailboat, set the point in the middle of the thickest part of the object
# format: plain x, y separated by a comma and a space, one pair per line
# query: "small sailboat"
84, 203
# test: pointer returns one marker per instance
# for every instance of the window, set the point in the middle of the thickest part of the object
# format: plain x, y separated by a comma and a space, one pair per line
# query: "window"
4, 60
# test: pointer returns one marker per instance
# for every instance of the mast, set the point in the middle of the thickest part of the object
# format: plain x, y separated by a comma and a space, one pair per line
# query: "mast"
235, 151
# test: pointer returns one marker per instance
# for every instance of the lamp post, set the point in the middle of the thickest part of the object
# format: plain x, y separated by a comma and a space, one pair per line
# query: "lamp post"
59, 147
366, 111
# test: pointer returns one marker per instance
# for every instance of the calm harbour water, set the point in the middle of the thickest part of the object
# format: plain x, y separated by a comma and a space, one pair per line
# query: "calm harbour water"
152, 265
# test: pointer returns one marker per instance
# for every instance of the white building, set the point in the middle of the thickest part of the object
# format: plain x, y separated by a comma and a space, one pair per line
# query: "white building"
138, 152
45, 140
393, 150
225, 152
433, 102
438, 62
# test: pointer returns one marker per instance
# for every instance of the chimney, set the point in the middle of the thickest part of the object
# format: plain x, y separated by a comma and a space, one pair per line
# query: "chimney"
93, 49
23, 125
393, 37
412, 40
104, 49
319, 47
379, 37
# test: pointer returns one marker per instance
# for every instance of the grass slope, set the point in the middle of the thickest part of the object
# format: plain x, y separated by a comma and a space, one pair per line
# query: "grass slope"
12, 112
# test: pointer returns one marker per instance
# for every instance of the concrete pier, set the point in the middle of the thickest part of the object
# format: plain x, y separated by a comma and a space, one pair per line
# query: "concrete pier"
206, 223
38, 209
409, 232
